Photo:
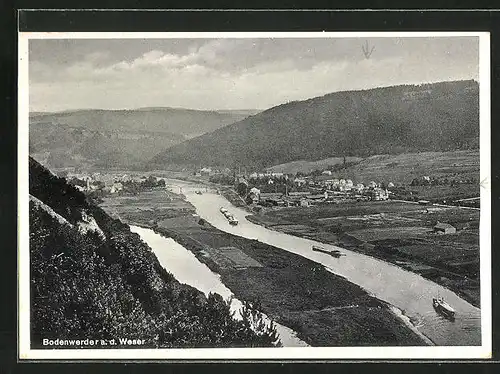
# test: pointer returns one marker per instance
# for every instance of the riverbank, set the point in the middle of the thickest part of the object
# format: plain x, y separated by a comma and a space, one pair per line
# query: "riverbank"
187, 269
407, 321
322, 308
230, 194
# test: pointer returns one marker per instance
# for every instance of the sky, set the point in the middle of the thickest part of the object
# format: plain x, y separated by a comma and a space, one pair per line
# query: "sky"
232, 73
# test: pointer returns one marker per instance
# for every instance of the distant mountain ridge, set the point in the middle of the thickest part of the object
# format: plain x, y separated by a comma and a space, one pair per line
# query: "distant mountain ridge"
390, 120
117, 138
156, 119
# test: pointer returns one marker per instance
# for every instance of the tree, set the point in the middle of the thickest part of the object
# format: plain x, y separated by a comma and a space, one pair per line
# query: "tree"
265, 331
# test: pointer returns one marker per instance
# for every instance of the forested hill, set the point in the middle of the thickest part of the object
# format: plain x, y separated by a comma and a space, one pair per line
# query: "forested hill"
91, 277
180, 121
391, 120
118, 138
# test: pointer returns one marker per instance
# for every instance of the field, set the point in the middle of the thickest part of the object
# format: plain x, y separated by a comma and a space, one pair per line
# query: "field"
309, 166
405, 167
323, 308
446, 194
148, 207
399, 232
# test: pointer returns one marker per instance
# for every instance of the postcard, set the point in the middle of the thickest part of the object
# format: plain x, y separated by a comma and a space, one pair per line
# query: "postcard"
254, 196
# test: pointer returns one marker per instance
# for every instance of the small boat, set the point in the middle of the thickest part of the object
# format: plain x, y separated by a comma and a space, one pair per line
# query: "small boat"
443, 307
223, 210
199, 192
233, 221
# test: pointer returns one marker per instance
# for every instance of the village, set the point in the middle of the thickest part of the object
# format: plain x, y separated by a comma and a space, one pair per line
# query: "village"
287, 190
268, 191
101, 184
276, 189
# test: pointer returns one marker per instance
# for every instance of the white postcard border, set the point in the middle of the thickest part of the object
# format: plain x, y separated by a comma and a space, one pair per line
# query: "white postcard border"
313, 353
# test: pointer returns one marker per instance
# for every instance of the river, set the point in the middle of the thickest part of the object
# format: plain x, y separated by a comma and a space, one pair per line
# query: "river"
186, 268
403, 289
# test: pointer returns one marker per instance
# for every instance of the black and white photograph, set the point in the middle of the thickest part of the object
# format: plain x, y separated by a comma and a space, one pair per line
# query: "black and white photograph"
254, 195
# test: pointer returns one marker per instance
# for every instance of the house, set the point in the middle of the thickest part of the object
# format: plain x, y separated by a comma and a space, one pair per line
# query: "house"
206, 171
252, 198
360, 187
299, 182
255, 191
326, 172
378, 194
116, 187
444, 228
254, 195
381, 194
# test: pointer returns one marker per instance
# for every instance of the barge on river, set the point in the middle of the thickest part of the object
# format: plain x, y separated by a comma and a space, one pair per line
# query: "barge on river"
232, 221
334, 253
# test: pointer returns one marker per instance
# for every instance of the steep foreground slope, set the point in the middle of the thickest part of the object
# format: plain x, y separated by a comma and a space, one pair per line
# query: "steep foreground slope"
92, 278
117, 138
391, 120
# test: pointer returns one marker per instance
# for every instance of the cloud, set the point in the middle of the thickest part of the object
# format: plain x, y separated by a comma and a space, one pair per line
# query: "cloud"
237, 73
